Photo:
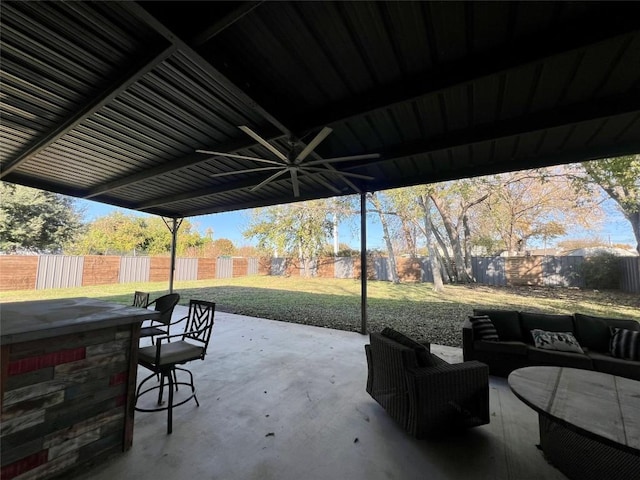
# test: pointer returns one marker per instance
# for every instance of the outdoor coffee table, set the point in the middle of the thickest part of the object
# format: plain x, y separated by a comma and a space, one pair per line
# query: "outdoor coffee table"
589, 421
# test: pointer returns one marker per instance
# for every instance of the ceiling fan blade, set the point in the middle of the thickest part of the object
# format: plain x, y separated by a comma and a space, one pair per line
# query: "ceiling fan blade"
346, 181
243, 157
313, 144
248, 170
295, 183
336, 172
320, 180
264, 143
270, 179
366, 156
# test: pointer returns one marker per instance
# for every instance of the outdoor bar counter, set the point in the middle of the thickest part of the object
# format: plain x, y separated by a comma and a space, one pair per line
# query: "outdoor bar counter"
68, 384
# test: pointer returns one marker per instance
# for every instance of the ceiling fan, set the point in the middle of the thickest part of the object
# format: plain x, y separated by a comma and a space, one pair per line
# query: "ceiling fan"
294, 162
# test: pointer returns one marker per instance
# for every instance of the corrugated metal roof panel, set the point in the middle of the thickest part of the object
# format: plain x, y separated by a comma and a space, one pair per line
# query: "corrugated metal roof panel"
104, 100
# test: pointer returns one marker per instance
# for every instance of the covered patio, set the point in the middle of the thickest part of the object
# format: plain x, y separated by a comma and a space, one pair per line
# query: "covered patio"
286, 401
115, 102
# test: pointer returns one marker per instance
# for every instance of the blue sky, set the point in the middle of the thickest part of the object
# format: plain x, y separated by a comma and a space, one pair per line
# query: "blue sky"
231, 225
615, 229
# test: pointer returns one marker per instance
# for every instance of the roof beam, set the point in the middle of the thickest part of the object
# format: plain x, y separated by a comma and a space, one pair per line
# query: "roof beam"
225, 22
608, 25
545, 120
229, 188
98, 101
184, 162
203, 192
579, 155
260, 203
225, 84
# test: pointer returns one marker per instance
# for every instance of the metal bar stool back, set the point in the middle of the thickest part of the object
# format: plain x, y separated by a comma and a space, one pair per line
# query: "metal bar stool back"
170, 351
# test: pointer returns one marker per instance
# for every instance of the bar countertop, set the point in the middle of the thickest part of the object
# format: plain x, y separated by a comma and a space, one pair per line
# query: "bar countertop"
36, 320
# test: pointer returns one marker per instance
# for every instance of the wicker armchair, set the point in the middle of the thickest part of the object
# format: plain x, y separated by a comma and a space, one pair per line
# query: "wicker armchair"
426, 400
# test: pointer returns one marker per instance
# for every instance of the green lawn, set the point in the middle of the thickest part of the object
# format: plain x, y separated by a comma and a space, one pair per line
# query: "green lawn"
335, 303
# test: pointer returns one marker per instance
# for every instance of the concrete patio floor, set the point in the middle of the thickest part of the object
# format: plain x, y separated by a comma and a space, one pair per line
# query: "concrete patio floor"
286, 401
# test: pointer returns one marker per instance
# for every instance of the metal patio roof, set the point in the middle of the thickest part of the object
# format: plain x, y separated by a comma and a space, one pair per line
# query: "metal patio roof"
109, 101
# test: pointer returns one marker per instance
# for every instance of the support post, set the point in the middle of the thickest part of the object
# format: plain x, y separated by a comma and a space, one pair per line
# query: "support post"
363, 263
173, 228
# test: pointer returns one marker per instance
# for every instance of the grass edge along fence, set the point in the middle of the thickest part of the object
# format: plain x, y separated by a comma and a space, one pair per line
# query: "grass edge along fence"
64, 271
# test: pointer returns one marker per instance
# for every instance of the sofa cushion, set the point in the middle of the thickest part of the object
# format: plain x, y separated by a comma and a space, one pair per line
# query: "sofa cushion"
511, 348
594, 334
605, 363
423, 356
625, 344
507, 322
483, 328
546, 322
562, 341
538, 356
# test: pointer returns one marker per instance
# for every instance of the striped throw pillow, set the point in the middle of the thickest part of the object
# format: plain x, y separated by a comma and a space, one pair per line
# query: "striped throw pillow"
483, 328
625, 344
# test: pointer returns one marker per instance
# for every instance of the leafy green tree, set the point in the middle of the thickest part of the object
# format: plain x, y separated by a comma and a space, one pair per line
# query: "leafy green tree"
116, 233
300, 229
35, 220
120, 234
224, 246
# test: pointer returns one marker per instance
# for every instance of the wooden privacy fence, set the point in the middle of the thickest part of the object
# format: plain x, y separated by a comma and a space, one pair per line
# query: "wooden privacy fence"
65, 271
61, 271
548, 271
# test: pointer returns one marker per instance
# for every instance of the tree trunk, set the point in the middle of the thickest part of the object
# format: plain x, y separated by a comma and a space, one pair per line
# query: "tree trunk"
387, 238
467, 245
409, 237
438, 285
634, 219
462, 276
443, 252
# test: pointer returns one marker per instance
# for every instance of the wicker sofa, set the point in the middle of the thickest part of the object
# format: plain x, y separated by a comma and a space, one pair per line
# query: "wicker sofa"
515, 346
424, 394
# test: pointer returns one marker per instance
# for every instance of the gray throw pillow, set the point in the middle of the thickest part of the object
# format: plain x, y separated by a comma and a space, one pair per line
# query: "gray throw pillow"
561, 341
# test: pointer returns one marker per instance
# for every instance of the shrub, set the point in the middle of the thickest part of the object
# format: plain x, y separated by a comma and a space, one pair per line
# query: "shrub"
601, 271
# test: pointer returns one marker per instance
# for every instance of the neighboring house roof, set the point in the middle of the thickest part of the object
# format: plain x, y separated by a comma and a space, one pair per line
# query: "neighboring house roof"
591, 251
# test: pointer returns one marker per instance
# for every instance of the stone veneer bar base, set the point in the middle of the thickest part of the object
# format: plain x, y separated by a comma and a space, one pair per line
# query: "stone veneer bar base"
67, 401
